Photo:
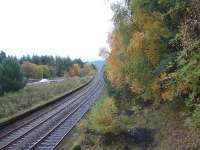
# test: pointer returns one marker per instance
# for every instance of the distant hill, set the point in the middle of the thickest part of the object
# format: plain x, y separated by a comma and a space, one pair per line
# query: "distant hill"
98, 63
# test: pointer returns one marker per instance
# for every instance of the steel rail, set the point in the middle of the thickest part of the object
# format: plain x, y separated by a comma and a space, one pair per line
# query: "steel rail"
72, 101
60, 123
45, 111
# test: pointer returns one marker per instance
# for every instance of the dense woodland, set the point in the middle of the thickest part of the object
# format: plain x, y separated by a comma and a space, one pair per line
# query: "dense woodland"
153, 79
15, 72
156, 52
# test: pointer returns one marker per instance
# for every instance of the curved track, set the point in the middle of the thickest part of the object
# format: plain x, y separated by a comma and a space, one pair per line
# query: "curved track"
45, 128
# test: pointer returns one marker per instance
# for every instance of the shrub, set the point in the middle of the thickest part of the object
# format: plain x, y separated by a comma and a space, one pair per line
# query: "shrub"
196, 117
103, 118
76, 147
118, 93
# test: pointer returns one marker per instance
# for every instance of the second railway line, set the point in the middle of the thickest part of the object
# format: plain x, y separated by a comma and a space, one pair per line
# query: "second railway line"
34, 131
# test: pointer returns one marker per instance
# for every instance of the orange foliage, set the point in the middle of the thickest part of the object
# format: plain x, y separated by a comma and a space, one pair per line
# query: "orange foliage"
114, 63
136, 41
143, 42
167, 95
29, 69
74, 70
88, 70
156, 86
135, 87
140, 55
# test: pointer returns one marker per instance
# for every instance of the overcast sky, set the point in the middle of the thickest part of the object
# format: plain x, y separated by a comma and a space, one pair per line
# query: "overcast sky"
77, 28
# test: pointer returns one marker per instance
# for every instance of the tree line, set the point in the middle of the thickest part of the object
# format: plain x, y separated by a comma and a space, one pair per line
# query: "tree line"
56, 66
15, 72
11, 75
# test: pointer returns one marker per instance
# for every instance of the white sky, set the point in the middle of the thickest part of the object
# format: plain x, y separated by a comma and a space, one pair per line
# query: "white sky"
77, 28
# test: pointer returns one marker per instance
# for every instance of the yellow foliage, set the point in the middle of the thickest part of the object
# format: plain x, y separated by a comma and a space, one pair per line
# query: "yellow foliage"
29, 69
150, 22
135, 87
151, 51
115, 41
114, 63
157, 81
150, 25
144, 42
163, 76
74, 70
88, 70
142, 53
103, 117
82, 125
106, 113
156, 85
183, 87
136, 41
114, 73
167, 95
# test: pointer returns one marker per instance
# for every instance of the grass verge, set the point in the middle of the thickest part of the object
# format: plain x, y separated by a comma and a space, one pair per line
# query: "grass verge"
167, 124
16, 104
73, 140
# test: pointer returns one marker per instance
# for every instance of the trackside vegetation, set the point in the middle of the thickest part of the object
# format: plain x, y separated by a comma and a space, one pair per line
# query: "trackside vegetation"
11, 75
15, 73
32, 96
153, 80
19, 95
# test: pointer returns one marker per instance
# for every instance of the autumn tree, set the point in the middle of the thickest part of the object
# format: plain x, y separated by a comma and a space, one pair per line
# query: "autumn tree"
74, 70
88, 69
114, 62
137, 44
155, 51
29, 69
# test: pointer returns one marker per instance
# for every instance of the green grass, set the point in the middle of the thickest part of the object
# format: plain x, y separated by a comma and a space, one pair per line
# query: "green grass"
77, 134
33, 96
167, 122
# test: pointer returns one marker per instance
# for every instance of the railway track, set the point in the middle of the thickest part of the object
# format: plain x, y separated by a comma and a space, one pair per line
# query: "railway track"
23, 121
45, 128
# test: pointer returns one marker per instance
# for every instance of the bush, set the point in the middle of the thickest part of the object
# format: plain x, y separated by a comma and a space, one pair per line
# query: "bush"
123, 92
103, 118
196, 117
77, 147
